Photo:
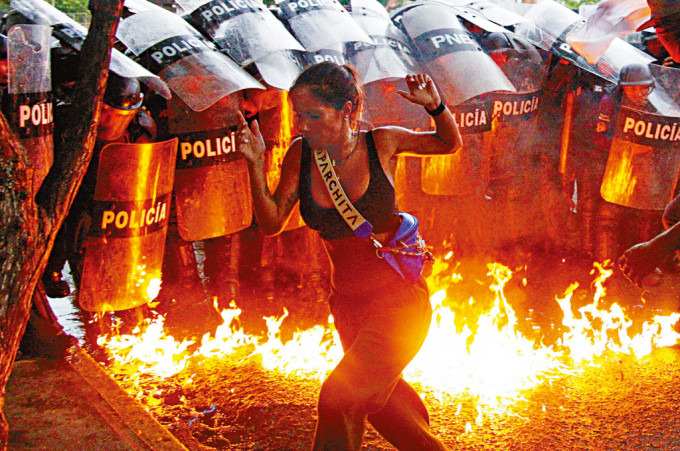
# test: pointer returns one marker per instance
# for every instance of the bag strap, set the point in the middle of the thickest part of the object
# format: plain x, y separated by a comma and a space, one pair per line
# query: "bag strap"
359, 225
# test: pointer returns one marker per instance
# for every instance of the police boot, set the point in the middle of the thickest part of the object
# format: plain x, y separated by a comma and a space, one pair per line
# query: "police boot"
586, 210
181, 284
606, 244
266, 272
221, 267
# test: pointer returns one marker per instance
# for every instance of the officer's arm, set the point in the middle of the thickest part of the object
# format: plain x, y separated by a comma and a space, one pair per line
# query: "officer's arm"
641, 259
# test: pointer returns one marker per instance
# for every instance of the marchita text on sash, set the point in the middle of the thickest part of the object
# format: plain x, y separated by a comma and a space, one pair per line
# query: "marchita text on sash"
663, 131
338, 195
207, 147
515, 107
220, 8
38, 114
135, 218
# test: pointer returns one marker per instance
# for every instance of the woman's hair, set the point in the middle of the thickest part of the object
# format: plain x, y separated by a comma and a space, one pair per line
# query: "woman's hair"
334, 84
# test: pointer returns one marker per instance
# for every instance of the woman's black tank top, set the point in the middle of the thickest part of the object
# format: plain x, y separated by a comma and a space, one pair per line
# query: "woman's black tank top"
378, 204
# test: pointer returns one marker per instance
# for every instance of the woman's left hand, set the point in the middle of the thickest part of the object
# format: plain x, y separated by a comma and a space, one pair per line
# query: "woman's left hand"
422, 91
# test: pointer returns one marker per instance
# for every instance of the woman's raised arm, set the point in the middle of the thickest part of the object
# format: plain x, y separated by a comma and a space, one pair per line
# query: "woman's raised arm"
272, 211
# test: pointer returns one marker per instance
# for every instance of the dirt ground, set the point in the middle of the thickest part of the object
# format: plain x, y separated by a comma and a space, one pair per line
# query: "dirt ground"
70, 404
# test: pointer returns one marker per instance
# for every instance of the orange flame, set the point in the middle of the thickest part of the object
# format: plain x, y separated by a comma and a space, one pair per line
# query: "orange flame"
491, 361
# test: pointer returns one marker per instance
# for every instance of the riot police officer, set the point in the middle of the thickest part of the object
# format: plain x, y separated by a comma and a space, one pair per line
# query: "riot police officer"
121, 120
632, 91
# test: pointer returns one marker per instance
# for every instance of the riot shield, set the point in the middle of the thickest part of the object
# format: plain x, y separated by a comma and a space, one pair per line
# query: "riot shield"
489, 11
245, 30
71, 33
514, 114
548, 25
334, 53
449, 53
212, 189
383, 106
280, 69
320, 24
191, 66
124, 253
389, 56
644, 159
29, 109
466, 171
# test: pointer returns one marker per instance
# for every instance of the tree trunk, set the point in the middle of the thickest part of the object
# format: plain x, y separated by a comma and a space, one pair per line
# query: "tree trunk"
28, 225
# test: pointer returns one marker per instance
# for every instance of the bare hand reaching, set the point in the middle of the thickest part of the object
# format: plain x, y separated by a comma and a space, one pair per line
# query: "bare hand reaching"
422, 91
249, 141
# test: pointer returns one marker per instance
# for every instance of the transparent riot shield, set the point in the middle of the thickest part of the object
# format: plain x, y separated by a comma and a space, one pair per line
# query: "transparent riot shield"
245, 30
29, 109
389, 56
124, 252
449, 53
280, 69
71, 33
466, 171
644, 160
514, 114
383, 106
490, 11
189, 63
212, 189
548, 25
319, 25
334, 53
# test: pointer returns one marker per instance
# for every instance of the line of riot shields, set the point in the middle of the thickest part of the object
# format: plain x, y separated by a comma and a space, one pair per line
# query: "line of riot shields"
177, 207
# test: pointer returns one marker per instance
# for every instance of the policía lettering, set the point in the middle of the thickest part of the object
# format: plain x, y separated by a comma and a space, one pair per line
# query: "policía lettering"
291, 8
648, 129
333, 58
381, 41
518, 107
35, 115
135, 219
129, 218
30, 114
181, 46
166, 52
207, 147
214, 11
213, 14
651, 130
475, 118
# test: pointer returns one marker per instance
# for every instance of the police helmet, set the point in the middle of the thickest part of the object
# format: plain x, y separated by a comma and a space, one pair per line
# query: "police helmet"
123, 93
635, 74
515, 45
495, 42
12, 18
122, 99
